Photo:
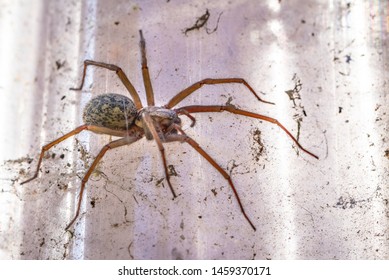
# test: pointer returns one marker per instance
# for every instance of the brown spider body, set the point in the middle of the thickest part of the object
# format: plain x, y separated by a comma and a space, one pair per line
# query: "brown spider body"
116, 112
118, 115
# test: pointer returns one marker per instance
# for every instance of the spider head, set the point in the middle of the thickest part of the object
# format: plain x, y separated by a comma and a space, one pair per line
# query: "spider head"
163, 120
165, 117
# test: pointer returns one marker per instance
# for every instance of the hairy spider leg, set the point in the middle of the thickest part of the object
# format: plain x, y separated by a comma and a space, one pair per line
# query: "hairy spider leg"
189, 90
185, 138
122, 76
127, 139
145, 72
232, 109
47, 147
148, 121
93, 128
183, 112
112, 145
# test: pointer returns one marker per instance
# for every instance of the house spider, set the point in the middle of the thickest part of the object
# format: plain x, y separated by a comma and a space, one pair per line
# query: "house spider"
119, 116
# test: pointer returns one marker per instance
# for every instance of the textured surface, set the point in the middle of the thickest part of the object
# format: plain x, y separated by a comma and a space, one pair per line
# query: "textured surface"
324, 64
114, 111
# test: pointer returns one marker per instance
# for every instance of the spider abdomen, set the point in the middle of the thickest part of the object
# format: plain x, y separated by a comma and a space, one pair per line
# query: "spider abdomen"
110, 110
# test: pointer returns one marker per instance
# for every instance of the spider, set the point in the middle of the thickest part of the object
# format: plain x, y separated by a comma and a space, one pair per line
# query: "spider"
119, 116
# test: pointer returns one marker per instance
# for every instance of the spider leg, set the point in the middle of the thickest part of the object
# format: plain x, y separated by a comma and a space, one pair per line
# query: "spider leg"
149, 125
145, 72
50, 145
232, 109
122, 76
186, 92
92, 128
183, 112
112, 145
196, 146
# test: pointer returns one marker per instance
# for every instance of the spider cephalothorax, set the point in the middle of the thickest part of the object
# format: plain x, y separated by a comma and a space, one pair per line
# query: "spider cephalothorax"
164, 120
118, 115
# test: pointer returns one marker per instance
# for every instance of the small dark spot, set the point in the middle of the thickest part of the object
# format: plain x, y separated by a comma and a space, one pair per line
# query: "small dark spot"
63, 97
200, 217
93, 203
42, 243
214, 192
62, 186
62, 156
172, 171
60, 64
313, 34
348, 58
53, 155
387, 153
116, 22
159, 181
303, 21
